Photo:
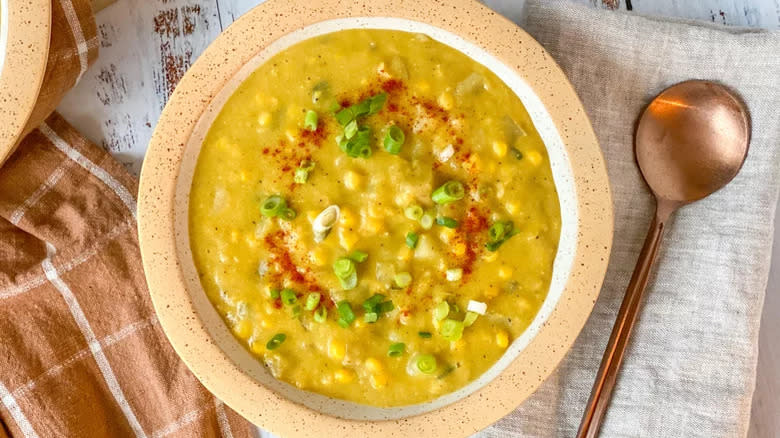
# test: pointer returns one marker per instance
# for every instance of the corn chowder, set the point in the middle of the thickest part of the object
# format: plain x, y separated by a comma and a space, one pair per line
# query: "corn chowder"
374, 216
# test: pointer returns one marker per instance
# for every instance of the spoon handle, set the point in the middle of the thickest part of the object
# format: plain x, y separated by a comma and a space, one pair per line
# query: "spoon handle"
621, 331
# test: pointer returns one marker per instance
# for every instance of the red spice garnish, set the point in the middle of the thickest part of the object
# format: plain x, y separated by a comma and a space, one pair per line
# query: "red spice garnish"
277, 244
473, 227
392, 85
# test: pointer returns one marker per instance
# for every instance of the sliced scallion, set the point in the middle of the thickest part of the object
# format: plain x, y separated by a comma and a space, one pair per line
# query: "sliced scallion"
402, 279
288, 297
276, 341
446, 221
451, 329
427, 220
441, 311
272, 206
450, 191
394, 139
274, 293
346, 315
470, 318
411, 239
413, 212
310, 120
321, 314
424, 335
288, 214
396, 349
358, 256
425, 363
312, 301
370, 317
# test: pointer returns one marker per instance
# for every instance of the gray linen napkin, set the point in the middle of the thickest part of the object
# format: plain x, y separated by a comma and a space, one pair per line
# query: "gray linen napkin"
690, 368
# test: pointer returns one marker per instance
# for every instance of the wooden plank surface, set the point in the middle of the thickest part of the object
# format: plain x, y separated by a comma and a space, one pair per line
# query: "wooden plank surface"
147, 45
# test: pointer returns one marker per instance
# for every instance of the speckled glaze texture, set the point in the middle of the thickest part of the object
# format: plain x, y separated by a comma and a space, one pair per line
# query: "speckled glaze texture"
24, 43
199, 335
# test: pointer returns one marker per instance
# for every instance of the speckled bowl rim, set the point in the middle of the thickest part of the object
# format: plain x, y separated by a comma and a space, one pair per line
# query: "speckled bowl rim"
158, 234
25, 28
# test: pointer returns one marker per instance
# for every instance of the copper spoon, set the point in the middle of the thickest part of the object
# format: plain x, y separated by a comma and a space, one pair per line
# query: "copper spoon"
691, 140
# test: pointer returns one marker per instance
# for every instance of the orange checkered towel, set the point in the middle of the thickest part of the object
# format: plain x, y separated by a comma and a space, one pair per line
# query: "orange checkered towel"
81, 352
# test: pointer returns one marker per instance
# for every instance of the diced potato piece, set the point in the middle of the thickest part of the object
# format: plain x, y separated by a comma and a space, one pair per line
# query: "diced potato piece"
499, 148
504, 272
502, 339
373, 225
353, 180
344, 375
336, 349
533, 157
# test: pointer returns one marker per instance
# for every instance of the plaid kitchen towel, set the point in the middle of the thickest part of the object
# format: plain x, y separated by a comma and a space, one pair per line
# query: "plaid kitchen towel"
81, 352
690, 368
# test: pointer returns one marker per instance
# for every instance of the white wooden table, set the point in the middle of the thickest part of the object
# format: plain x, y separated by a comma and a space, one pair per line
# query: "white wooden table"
147, 45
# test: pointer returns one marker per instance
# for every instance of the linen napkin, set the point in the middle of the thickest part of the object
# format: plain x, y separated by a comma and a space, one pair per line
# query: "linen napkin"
690, 368
81, 352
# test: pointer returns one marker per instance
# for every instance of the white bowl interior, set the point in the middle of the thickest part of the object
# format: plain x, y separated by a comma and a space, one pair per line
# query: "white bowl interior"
3, 31
562, 174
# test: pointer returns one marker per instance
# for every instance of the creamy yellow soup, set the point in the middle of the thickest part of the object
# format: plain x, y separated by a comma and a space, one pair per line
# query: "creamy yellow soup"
374, 216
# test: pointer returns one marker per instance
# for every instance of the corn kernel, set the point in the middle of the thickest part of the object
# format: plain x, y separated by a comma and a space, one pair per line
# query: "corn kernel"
257, 347
459, 249
265, 324
336, 350
348, 239
318, 256
378, 380
446, 101
490, 256
423, 86
446, 234
344, 376
264, 119
512, 207
243, 329
535, 158
504, 272
243, 175
347, 217
352, 180
499, 147
502, 339
405, 254
234, 236
373, 365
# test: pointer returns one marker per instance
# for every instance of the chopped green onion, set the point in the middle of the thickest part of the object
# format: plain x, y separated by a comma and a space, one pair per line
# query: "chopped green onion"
372, 304
425, 335
450, 191
413, 212
288, 214
375, 103
498, 233
343, 267
334, 107
411, 239
470, 318
447, 370
394, 139
351, 129
370, 317
516, 153
350, 282
296, 311
274, 293
396, 349
386, 306
312, 301
441, 311
346, 315
451, 329
366, 107
426, 221
276, 341
359, 146
403, 279
321, 314
310, 121
358, 256
302, 172
448, 222
288, 297
426, 363
273, 206
454, 274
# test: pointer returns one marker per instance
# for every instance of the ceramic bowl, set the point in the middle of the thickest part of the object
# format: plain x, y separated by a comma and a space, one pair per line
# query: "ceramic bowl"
203, 340
24, 48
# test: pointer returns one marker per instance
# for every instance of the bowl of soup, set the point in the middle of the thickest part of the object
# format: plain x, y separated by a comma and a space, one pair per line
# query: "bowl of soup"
24, 47
374, 218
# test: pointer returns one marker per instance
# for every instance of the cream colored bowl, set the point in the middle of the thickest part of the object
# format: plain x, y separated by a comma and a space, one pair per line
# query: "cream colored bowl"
198, 333
24, 47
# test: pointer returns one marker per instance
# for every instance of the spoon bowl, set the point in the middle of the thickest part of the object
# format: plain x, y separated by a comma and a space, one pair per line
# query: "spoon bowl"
691, 140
